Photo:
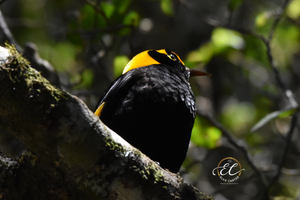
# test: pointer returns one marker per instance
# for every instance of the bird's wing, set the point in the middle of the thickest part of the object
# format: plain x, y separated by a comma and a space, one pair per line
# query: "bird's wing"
117, 85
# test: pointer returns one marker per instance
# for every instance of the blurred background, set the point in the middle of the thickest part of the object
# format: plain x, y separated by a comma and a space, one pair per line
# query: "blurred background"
246, 110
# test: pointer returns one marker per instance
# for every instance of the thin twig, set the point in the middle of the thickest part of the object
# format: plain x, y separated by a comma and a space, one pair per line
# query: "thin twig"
100, 11
277, 19
288, 93
267, 41
284, 152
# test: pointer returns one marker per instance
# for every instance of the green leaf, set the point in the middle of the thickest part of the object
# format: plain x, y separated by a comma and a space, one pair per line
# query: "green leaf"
214, 135
132, 18
261, 19
223, 38
293, 9
285, 44
87, 17
205, 136
203, 54
288, 113
122, 5
167, 7
119, 63
107, 8
279, 113
234, 4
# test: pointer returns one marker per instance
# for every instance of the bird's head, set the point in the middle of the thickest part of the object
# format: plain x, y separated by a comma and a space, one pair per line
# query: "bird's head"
162, 56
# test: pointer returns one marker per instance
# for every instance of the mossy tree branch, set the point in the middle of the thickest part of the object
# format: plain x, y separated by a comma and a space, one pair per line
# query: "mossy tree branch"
71, 153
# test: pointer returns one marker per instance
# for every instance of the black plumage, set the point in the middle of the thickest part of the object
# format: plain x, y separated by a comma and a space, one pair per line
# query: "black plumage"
153, 108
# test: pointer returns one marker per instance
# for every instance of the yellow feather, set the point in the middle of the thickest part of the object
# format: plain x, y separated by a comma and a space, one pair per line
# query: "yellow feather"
141, 60
99, 109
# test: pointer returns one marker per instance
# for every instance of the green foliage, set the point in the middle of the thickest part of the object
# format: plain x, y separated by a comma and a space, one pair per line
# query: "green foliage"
223, 38
87, 77
88, 16
222, 41
285, 43
119, 63
239, 116
293, 9
107, 8
234, 4
203, 54
255, 50
61, 55
261, 20
167, 7
204, 135
122, 6
132, 18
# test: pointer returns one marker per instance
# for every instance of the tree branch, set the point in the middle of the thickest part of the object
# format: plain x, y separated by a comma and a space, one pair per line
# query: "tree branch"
73, 154
6, 35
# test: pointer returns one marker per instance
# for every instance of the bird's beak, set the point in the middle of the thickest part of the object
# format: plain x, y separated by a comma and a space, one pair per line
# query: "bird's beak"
195, 72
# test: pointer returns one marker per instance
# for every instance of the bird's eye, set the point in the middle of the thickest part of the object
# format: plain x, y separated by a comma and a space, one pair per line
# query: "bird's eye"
172, 57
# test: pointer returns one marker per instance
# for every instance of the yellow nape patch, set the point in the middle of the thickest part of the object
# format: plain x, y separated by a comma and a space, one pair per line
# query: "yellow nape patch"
141, 60
99, 109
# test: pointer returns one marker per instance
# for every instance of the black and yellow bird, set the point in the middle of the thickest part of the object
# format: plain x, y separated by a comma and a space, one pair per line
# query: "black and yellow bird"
151, 105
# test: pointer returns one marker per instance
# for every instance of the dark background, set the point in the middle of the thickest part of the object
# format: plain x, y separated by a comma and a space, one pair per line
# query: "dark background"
251, 48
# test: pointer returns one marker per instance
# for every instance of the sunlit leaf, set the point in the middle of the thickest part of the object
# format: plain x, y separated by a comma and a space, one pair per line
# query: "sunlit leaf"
119, 63
107, 8
261, 19
293, 9
167, 7
223, 38
214, 135
279, 113
205, 136
288, 113
203, 54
